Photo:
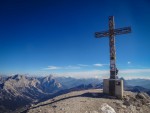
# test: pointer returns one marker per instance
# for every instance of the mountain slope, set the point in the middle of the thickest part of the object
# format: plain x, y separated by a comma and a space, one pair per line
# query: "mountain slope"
145, 83
23, 90
69, 82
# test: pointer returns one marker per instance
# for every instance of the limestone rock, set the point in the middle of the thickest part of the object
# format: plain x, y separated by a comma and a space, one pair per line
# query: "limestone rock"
105, 108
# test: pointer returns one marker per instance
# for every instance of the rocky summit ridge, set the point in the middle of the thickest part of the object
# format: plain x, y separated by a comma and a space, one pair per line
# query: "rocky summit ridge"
93, 101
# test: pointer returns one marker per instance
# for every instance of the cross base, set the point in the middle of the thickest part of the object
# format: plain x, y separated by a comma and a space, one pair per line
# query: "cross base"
113, 87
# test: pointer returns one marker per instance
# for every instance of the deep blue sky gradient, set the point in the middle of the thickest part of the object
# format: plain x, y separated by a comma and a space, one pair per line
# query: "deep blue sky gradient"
35, 34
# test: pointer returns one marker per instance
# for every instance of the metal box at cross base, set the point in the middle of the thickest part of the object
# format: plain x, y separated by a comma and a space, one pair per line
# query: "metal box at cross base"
113, 87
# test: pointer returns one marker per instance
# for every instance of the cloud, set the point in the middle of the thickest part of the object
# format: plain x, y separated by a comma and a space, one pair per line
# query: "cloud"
63, 67
86, 74
83, 65
99, 65
129, 71
135, 73
79, 73
52, 68
78, 66
128, 62
72, 67
104, 74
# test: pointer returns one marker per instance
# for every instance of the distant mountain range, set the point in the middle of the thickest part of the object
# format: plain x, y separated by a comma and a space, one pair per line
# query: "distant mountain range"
145, 83
137, 85
18, 92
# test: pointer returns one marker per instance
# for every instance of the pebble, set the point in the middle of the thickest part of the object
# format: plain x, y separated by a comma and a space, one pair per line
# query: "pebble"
123, 106
92, 112
127, 103
62, 108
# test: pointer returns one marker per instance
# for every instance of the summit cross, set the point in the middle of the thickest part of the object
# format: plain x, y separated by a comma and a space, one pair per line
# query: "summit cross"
111, 34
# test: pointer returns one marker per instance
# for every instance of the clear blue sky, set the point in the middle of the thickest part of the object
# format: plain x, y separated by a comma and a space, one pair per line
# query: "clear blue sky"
58, 35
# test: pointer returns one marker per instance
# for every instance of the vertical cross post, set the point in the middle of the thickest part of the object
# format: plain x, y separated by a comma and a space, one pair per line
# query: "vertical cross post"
112, 48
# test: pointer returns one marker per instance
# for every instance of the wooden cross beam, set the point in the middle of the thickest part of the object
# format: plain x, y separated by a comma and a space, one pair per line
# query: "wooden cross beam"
111, 34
